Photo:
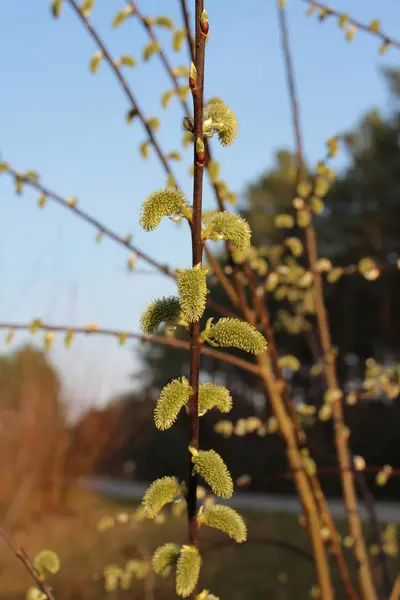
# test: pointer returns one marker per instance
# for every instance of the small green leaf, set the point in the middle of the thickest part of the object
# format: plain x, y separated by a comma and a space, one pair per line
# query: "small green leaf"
95, 61
317, 205
10, 336
127, 60
375, 26
295, 245
19, 184
183, 92
151, 48
153, 123
334, 275
187, 570
163, 21
166, 98
343, 20
180, 72
304, 189
56, 7
213, 170
178, 39
174, 155
42, 200
68, 338
332, 146
122, 15
131, 114
161, 492
106, 522
289, 361
284, 221
35, 594
87, 7
47, 560
303, 218
144, 149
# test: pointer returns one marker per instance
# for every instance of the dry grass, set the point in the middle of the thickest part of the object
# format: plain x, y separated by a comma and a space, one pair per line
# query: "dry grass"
250, 571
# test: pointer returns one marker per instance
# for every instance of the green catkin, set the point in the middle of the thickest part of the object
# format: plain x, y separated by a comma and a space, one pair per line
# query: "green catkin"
187, 570
225, 519
162, 310
164, 558
228, 332
172, 398
159, 204
234, 228
223, 121
161, 492
210, 466
192, 287
214, 396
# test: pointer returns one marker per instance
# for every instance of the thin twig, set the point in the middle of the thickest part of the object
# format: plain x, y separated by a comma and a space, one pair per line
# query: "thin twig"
26, 561
328, 10
120, 334
189, 38
117, 71
107, 232
268, 541
163, 57
364, 571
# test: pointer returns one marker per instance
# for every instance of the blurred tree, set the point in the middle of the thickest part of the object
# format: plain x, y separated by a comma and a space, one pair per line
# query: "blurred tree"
361, 219
34, 431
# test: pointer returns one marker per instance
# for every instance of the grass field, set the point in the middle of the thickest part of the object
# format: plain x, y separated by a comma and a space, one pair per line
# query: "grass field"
257, 569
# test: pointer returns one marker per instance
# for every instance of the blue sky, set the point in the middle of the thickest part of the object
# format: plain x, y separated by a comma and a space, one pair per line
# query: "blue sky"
70, 126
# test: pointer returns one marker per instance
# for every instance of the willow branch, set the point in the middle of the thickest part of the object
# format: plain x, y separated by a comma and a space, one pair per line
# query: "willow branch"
364, 572
121, 79
106, 231
124, 84
304, 490
197, 87
186, 20
163, 57
328, 10
100, 227
120, 334
28, 564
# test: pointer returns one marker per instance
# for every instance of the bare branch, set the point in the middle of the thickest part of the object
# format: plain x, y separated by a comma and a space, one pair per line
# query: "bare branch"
329, 11
120, 334
26, 561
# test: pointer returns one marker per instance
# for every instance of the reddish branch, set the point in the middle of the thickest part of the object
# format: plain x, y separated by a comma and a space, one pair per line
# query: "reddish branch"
28, 564
106, 231
197, 256
164, 341
328, 10
344, 457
